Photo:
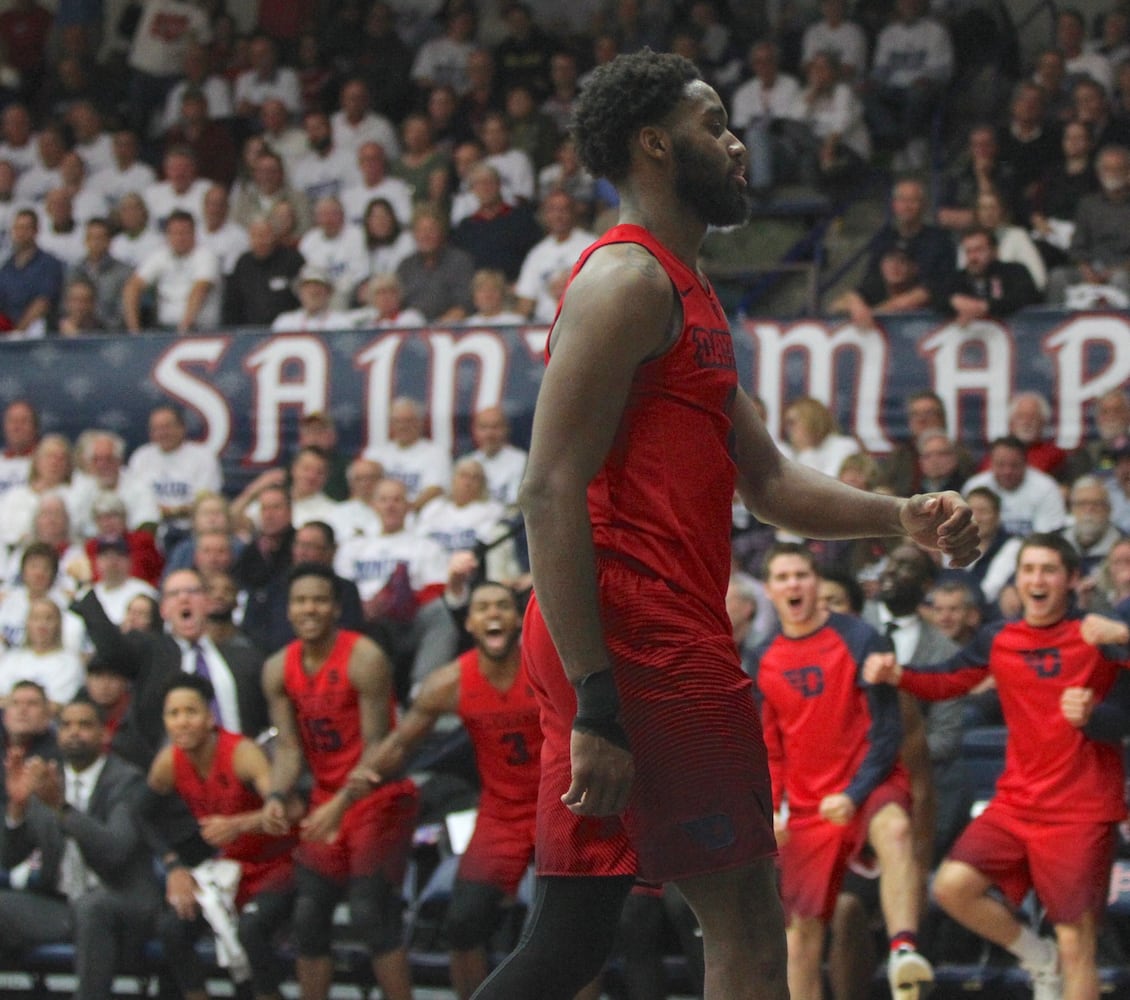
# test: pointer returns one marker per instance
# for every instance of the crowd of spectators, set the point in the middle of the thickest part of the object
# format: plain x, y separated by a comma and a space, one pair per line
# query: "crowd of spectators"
208, 166
376, 168
101, 545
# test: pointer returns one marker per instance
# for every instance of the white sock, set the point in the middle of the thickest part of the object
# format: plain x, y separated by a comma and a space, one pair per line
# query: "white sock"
1030, 948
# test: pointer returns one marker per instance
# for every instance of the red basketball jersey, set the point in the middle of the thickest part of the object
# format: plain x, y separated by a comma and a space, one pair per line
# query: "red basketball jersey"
221, 793
326, 707
506, 735
663, 496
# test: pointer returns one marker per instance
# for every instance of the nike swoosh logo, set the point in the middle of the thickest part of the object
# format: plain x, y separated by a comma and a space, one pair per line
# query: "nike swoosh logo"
684, 292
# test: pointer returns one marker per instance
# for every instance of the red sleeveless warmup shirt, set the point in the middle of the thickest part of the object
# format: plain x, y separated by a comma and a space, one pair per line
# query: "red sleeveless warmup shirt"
504, 730
266, 859
663, 496
326, 706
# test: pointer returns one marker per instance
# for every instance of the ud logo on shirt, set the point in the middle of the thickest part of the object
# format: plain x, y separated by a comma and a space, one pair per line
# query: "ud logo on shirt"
809, 681
1044, 663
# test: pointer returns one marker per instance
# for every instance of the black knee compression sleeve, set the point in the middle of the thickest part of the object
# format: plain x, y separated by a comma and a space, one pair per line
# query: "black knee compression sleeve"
376, 911
567, 938
314, 912
472, 914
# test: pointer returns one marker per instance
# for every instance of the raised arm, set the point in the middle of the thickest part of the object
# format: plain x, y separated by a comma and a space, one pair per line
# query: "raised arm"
438, 695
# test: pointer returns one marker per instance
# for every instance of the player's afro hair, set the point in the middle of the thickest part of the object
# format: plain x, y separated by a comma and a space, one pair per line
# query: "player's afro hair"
619, 99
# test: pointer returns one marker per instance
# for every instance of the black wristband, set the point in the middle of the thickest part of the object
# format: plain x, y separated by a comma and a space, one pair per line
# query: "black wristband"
598, 708
277, 796
606, 729
597, 697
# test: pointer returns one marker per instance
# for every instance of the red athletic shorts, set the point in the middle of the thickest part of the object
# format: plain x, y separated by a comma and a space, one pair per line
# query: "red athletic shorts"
701, 801
816, 854
500, 850
375, 836
255, 877
1068, 864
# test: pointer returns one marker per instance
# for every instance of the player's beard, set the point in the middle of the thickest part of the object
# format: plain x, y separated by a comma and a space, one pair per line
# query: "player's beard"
718, 199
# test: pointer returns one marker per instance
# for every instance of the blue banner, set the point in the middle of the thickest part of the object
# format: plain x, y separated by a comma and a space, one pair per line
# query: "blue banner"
244, 393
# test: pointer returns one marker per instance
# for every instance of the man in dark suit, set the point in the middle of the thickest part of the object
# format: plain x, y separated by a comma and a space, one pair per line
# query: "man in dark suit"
936, 781
149, 659
987, 288
95, 881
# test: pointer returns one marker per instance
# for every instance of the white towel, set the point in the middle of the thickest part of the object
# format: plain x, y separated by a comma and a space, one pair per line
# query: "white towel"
217, 882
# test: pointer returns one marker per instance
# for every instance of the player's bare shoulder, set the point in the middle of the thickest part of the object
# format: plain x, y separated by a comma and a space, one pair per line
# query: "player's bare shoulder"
622, 269
440, 691
368, 664
621, 286
271, 677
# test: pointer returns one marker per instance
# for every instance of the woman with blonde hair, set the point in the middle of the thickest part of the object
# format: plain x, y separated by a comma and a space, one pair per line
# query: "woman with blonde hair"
813, 439
489, 293
43, 658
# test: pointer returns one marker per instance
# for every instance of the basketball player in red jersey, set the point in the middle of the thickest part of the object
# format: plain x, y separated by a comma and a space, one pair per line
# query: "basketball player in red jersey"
640, 436
223, 777
833, 745
487, 688
1051, 822
330, 694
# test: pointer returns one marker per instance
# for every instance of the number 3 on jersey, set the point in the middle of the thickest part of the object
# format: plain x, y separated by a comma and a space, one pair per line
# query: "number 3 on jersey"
519, 752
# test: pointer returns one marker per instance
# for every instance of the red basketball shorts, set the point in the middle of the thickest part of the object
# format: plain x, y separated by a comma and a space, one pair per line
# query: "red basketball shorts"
500, 850
701, 800
1068, 864
375, 836
817, 853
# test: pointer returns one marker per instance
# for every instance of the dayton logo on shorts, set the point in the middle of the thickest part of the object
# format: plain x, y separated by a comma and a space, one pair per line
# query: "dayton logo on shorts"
809, 681
712, 348
1043, 663
712, 832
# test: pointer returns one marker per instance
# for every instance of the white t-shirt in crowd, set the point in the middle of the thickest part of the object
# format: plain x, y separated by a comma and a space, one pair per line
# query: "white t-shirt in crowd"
115, 600
13, 619
548, 259
174, 277
355, 199
217, 97
174, 478
59, 672
228, 243
1035, 505
300, 321
370, 561
504, 471
342, 257
162, 201
418, 466
372, 128
283, 86
113, 182
454, 528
